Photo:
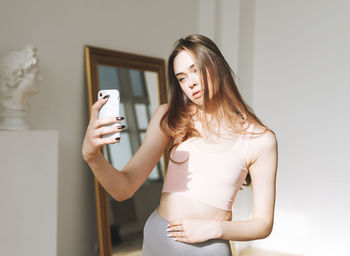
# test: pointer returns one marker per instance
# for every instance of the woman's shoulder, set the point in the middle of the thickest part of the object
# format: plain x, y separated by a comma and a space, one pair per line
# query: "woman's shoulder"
160, 110
163, 107
263, 140
262, 135
159, 113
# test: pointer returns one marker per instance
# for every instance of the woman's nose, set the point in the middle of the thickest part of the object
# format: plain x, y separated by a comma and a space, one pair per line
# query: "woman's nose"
193, 82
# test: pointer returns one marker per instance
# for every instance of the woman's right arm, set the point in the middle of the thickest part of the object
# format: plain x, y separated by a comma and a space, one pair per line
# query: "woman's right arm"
121, 185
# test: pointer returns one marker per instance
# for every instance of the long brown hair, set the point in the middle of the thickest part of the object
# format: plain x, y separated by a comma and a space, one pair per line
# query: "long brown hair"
225, 104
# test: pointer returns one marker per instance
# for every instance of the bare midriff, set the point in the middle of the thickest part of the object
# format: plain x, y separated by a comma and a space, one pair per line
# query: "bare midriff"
175, 207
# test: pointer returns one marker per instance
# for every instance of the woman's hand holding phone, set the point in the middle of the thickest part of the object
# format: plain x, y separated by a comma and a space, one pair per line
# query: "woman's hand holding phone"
102, 129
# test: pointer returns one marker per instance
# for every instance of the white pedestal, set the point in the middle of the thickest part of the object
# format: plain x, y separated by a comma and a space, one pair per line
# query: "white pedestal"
28, 192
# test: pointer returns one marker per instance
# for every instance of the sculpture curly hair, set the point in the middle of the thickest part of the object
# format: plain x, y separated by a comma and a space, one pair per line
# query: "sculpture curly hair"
13, 68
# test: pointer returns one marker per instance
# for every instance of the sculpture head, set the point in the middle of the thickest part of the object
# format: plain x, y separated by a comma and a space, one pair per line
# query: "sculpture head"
19, 75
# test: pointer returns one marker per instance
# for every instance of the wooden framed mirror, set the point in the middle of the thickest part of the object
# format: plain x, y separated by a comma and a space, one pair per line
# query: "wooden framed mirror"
142, 85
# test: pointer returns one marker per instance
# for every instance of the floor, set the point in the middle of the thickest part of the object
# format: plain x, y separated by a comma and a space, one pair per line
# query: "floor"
259, 252
129, 247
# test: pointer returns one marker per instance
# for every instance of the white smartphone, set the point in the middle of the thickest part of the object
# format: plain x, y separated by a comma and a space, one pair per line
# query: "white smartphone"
110, 108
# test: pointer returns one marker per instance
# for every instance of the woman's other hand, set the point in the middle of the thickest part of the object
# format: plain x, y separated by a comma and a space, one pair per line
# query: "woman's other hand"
194, 230
93, 141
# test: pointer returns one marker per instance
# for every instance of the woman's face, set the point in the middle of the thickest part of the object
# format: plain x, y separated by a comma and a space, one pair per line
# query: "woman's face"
188, 76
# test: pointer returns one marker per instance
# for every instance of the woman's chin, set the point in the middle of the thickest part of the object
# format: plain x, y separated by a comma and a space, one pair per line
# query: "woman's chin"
198, 102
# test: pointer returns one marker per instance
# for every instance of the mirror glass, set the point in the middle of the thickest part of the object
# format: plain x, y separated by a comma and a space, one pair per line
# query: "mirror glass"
139, 99
141, 83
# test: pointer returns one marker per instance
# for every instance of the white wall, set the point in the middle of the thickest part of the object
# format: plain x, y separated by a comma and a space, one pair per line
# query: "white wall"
300, 75
60, 29
219, 20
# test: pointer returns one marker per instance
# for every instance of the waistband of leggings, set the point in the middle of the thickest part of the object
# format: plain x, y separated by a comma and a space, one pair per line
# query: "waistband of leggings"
163, 219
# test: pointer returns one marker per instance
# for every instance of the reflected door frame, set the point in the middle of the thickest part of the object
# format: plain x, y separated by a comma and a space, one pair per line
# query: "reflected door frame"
93, 57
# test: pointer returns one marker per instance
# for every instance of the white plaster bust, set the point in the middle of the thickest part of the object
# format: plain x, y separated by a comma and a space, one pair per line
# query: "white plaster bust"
19, 76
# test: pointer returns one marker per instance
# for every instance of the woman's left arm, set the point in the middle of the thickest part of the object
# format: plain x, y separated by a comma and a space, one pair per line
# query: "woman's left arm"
262, 169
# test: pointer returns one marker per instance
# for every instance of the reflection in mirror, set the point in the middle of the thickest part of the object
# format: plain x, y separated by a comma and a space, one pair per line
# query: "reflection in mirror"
139, 91
141, 83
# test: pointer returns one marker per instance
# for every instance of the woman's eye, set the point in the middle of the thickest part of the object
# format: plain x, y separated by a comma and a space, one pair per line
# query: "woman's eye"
181, 79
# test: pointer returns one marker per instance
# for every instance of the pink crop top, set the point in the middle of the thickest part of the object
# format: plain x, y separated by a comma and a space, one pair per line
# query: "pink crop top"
213, 172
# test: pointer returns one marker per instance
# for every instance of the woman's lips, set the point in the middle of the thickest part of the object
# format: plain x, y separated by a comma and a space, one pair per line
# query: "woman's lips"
197, 94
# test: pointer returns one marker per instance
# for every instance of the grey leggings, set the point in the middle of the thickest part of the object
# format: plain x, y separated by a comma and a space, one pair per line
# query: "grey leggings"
157, 243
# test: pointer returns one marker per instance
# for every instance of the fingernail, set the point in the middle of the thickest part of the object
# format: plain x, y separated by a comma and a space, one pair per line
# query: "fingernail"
120, 118
121, 126
168, 229
118, 138
168, 225
169, 235
107, 96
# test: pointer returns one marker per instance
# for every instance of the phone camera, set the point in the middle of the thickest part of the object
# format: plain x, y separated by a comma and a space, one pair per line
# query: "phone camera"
100, 94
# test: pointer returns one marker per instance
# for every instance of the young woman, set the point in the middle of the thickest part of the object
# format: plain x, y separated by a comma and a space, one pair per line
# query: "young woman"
215, 143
